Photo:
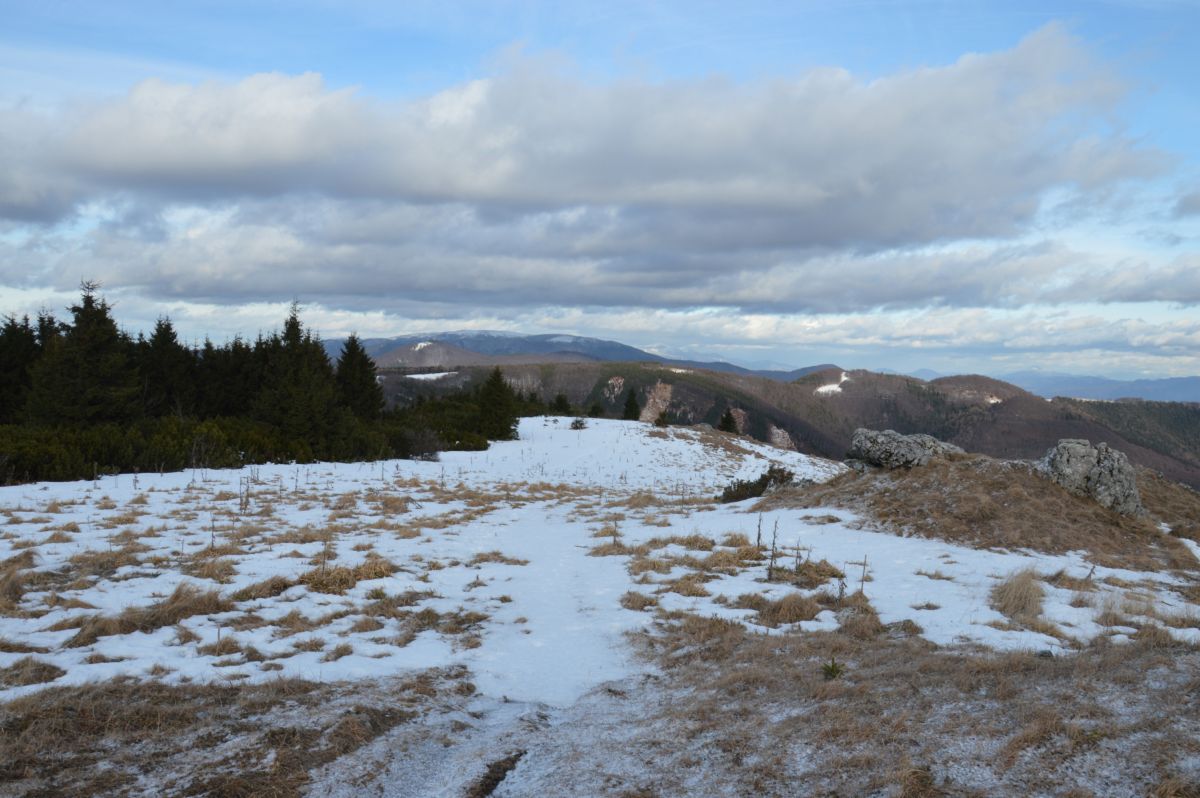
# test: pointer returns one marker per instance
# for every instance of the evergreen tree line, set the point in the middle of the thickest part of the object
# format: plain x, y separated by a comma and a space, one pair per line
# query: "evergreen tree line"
82, 397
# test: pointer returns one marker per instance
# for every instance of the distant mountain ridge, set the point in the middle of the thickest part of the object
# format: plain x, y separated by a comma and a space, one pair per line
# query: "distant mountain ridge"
500, 348
494, 347
1171, 389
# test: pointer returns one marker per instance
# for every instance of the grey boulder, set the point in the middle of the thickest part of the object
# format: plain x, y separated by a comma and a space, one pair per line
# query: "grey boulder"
890, 449
1096, 472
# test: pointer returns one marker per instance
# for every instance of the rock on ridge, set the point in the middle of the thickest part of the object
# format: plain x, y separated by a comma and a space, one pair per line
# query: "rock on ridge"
1097, 472
890, 449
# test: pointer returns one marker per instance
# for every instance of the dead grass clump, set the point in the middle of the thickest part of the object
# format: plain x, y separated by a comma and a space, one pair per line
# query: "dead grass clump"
104, 563
268, 588
735, 540
692, 542
12, 647
640, 501
935, 574
792, 608
186, 601
859, 619
688, 585
496, 556
615, 548
337, 652
633, 600
375, 567
1065, 581
808, 574
367, 624
335, 581
28, 670
217, 569
1019, 597
223, 647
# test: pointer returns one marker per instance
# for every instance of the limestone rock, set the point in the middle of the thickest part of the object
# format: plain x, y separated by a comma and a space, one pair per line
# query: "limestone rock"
1097, 472
890, 449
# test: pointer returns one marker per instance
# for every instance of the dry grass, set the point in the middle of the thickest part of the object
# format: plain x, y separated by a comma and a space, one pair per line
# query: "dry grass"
268, 588
28, 670
1032, 725
216, 740
1019, 597
497, 557
633, 600
980, 501
217, 569
185, 602
792, 608
807, 574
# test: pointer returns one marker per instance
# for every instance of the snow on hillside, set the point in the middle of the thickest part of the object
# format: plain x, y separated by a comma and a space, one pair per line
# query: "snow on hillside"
351, 571
432, 376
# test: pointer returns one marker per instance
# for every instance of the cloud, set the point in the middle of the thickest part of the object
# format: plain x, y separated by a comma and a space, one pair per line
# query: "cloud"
966, 149
737, 210
1188, 205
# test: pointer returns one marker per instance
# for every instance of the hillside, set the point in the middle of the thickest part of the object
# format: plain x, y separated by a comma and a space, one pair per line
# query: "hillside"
572, 613
818, 413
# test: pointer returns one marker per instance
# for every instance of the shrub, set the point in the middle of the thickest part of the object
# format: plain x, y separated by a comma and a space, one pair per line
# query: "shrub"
742, 489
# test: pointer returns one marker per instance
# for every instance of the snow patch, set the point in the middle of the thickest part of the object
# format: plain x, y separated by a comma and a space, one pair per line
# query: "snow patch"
427, 377
832, 388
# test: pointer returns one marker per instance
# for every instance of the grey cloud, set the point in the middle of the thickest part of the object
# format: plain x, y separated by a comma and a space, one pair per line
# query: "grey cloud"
938, 153
1188, 205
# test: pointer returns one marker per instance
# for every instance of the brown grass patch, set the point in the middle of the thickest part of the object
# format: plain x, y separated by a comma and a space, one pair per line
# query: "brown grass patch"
687, 585
186, 601
337, 652
268, 588
792, 608
1019, 597
334, 581
1005, 504
633, 600
496, 556
217, 569
99, 739
28, 670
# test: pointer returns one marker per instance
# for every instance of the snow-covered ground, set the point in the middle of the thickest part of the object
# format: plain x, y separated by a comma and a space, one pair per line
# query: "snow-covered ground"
493, 564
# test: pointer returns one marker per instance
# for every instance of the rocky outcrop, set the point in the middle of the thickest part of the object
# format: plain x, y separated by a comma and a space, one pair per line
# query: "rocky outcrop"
658, 399
1097, 472
890, 449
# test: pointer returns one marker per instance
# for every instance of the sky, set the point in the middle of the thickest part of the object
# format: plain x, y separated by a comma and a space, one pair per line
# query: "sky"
966, 187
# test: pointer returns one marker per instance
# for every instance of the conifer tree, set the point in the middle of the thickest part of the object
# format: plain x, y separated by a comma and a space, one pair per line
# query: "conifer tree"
497, 408
85, 375
727, 423
561, 406
18, 353
632, 411
168, 373
298, 394
358, 385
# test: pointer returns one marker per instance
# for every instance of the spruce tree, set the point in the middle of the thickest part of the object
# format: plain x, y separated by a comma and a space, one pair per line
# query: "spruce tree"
358, 386
298, 394
168, 372
18, 353
497, 408
632, 410
86, 375
561, 406
727, 423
